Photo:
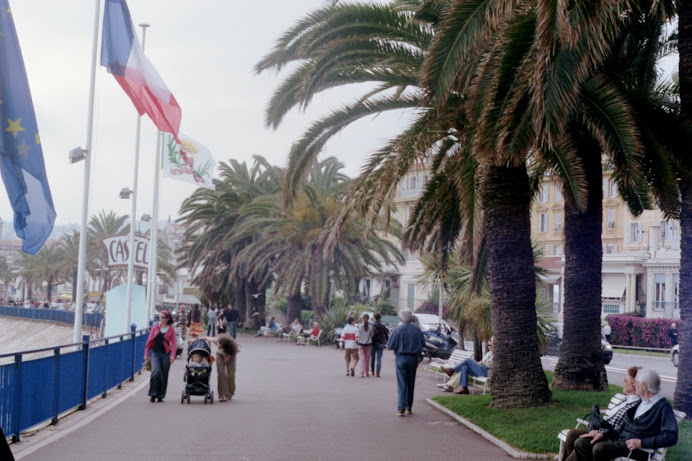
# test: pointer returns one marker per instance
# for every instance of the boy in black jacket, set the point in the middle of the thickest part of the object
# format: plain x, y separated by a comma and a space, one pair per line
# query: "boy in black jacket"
379, 341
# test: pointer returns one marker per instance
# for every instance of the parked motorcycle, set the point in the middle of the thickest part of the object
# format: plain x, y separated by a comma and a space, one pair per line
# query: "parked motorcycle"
438, 344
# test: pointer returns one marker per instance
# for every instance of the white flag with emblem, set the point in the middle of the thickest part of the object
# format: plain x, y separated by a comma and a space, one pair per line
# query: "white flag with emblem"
188, 161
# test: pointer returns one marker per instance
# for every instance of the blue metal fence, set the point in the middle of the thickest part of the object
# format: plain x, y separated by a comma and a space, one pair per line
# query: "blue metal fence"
88, 320
40, 390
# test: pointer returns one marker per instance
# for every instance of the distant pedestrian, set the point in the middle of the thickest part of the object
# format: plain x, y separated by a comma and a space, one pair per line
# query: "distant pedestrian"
221, 321
182, 320
673, 335
195, 322
160, 349
365, 332
349, 345
606, 331
211, 321
379, 341
407, 343
232, 317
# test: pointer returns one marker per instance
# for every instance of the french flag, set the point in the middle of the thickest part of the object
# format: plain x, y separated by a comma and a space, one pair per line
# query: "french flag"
122, 55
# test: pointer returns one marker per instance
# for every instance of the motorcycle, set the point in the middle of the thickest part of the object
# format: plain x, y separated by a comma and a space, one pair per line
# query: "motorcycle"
438, 344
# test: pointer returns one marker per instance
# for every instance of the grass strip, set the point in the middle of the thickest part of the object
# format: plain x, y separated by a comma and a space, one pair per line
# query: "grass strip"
535, 429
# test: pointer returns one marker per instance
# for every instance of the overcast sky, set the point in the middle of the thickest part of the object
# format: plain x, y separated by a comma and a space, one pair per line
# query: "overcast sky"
205, 51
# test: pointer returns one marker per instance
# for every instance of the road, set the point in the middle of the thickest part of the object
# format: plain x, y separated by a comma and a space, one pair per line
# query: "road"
292, 402
618, 367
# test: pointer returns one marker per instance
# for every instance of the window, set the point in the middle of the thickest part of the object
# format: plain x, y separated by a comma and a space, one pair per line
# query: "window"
660, 291
676, 291
557, 222
543, 194
611, 248
611, 308
413, 183
410, 295
611, 219
612, 188
558, 250
543, 222
634, 235
426, 180
558, 194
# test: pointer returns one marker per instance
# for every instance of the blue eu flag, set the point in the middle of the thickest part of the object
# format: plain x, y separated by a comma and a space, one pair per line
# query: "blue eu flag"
21, 156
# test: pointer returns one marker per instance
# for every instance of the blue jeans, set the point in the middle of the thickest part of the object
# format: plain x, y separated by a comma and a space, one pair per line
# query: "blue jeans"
231, 328
376, 356
469, 366
158, 382
406, 366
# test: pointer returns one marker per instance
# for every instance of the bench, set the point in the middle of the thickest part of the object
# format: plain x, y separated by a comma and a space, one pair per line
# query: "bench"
658, 454
481, 381
457, 356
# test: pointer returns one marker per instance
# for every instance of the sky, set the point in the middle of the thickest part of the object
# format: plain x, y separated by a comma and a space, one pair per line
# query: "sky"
205, 51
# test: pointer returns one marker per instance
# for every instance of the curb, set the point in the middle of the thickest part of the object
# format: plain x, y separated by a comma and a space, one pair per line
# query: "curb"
511, 451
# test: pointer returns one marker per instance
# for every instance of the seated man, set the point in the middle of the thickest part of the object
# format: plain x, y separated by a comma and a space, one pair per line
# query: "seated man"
651, 424
613, 417
468, 367
271, 327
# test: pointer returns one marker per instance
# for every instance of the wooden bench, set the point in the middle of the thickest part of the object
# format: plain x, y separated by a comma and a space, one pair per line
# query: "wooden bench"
658, 454
457, 356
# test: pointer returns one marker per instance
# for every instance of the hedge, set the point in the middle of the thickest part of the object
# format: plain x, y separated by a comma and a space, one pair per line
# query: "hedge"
631, 330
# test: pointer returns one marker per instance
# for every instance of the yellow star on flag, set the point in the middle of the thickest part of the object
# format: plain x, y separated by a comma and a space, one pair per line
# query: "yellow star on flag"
38, 139
23, 149
15, 126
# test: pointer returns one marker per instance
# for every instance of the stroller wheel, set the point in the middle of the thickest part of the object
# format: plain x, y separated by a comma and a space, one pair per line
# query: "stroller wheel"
211, 398
205, 399
188, 400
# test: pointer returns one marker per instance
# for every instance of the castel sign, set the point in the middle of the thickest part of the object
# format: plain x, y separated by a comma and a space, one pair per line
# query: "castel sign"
118, 247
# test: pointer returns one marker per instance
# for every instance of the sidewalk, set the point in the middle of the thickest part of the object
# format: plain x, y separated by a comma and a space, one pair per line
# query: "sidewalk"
292, 403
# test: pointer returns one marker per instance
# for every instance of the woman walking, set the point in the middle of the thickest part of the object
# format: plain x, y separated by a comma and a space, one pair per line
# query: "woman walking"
225, 364
160, 349
211, 321
195, 322
364, 339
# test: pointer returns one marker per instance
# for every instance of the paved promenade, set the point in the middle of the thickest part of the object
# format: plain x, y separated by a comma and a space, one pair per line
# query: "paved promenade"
291, 403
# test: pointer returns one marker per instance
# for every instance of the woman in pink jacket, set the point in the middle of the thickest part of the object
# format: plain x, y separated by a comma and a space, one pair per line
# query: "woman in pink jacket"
160, 349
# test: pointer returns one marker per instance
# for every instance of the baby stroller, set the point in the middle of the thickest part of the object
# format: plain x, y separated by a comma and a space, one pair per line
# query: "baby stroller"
197, 377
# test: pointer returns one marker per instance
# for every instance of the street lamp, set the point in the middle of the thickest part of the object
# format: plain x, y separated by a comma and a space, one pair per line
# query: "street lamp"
126, 192
77, 155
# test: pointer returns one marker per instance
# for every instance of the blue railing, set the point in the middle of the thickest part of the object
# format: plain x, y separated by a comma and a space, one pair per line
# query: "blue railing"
88, 320
40, 390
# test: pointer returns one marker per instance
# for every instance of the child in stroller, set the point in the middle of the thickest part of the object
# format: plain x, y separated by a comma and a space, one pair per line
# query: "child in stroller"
197, 372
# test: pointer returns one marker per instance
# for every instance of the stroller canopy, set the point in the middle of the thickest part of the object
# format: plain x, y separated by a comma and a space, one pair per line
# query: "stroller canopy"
201, 346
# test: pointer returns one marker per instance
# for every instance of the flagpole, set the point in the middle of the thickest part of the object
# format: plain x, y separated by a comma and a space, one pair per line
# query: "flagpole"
77, 337
153, 262
153, 234
133, 213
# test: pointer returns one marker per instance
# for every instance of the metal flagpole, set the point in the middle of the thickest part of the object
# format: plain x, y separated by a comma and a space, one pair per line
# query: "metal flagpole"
153, 261
77, 337
133, 213
153, 237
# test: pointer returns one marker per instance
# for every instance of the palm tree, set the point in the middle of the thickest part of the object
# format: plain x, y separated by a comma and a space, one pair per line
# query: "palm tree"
101, 226
7, 275
47, 267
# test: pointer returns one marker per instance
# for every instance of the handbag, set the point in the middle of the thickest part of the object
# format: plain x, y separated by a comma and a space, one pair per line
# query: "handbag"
595, 418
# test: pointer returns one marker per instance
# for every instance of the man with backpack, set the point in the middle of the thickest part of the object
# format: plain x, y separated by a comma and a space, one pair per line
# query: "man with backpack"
379, 341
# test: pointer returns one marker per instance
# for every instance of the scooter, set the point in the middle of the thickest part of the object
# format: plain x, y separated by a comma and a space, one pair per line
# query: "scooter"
438, 345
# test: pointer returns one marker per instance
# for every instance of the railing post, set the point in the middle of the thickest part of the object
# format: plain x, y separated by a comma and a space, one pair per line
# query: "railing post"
122, 359
133, 328
85, 347
17, 397
56, 394
105, 374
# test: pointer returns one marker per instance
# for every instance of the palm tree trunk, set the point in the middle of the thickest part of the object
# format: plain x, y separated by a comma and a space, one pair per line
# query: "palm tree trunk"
49, 289
293, 308
518, 379
241, 300
580, 366
683, 388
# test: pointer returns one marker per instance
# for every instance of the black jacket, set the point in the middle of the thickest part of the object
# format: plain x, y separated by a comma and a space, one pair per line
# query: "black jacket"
232, 315
656, 428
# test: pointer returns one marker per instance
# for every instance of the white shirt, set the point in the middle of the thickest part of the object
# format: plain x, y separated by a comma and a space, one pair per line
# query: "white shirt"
616, 408
646, 405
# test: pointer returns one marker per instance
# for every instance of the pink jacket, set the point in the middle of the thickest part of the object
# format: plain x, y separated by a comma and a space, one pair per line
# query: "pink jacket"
169, 340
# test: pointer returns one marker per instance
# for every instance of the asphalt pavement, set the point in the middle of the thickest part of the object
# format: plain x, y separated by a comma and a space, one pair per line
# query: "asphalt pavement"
292, 403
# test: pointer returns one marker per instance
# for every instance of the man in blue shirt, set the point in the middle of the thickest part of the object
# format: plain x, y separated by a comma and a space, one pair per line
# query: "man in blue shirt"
407, 342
